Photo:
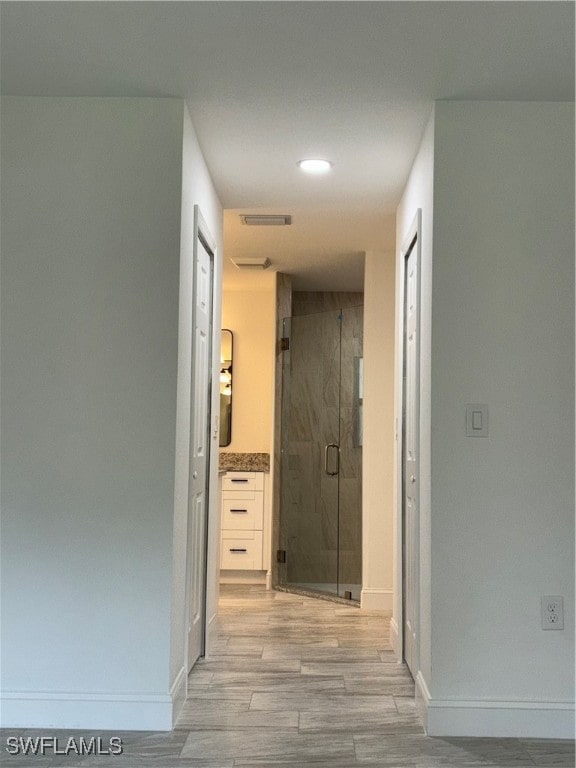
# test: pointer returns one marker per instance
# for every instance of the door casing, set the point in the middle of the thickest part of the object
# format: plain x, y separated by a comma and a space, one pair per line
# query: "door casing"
412, 243
200, 446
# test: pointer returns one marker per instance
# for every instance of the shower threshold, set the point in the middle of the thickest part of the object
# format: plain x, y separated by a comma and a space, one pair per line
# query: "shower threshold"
326, 591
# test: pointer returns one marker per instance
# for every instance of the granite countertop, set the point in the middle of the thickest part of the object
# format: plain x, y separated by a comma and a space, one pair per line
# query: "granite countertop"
244, 462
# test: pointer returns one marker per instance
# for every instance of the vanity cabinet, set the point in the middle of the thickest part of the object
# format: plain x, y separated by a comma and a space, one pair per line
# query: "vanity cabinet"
242, 521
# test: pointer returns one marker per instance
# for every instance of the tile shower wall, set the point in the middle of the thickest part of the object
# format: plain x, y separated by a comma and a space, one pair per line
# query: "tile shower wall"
350, 485
323, 545
312, 302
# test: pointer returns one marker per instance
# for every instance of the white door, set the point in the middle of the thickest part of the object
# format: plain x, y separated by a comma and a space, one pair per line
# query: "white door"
410, 457
199, 447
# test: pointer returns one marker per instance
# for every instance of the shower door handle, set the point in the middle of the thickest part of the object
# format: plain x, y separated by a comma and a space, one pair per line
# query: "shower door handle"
335, 467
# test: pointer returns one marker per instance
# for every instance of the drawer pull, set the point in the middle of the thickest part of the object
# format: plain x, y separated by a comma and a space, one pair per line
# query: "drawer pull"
238, 510
238, 550
239, 479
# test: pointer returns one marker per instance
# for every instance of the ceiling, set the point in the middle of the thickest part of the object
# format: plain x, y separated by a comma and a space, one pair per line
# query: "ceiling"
269, 83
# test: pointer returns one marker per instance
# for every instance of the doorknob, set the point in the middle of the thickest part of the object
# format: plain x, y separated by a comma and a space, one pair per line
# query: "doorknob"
194, 475
412, 479
330, 448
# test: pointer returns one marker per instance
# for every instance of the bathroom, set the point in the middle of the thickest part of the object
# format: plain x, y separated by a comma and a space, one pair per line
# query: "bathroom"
292, 387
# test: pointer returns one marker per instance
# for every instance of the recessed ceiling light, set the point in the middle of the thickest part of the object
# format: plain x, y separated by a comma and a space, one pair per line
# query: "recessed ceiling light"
315, 166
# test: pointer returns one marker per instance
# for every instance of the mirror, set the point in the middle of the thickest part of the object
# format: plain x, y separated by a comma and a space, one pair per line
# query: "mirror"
226, 388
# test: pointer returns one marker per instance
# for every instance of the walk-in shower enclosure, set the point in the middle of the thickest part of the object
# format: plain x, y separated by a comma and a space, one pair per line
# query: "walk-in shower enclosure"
321, 464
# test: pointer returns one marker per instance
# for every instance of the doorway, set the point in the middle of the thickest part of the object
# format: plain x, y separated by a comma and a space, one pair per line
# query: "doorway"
321, 454
200, 411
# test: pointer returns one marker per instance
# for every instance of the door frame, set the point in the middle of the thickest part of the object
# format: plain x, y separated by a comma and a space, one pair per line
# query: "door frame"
201, 235
412, 240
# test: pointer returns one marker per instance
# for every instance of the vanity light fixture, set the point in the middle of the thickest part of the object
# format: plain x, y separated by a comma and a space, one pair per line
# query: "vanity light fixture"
315, 166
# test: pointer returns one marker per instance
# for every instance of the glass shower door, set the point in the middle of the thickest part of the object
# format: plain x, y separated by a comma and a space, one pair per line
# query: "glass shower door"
320, 514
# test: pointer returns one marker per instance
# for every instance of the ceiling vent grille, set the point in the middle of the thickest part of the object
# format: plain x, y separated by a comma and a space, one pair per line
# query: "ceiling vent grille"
265, 220
255, 262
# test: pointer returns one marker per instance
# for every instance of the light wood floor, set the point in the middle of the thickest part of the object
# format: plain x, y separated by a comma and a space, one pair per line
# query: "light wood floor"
297, 682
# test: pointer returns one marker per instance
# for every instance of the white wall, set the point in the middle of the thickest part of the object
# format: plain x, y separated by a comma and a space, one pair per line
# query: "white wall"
91, 206
503, 334
251, 316
92, 194
378, 432
418, 195
197, 189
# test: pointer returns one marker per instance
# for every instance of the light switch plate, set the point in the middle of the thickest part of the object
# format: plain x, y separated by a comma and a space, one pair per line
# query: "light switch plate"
476, 420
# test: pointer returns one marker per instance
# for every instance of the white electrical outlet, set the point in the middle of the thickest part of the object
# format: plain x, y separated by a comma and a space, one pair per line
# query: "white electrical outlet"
552, 611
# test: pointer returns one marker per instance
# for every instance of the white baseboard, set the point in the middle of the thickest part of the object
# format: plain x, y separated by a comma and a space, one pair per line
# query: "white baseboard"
395, 637
422, 697
242, 577
89, 711
376, 599
211, 634
178, 694
500, 719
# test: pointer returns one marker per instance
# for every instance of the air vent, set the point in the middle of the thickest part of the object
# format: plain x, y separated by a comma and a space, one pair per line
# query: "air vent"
265, 220
252, 263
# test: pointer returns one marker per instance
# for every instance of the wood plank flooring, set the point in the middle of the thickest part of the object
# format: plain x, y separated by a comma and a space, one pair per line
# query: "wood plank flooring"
296, 682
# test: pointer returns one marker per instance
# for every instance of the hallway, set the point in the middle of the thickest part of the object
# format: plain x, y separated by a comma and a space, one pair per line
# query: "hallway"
297, 682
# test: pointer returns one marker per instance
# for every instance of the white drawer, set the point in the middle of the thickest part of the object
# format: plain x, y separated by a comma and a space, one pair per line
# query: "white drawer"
242, 513
243, 481
242, 550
